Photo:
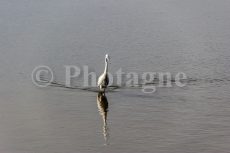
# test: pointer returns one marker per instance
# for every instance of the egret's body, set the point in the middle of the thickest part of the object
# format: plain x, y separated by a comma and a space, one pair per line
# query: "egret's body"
103, 80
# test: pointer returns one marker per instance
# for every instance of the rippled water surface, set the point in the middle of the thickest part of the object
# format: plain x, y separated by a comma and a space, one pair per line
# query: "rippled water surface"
140, 36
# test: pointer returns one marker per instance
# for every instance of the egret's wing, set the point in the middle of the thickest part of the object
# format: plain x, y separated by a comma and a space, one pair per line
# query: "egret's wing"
100, 80
106, 80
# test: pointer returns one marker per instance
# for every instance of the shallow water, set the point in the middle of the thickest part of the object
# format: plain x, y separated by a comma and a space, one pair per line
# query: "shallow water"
140, 36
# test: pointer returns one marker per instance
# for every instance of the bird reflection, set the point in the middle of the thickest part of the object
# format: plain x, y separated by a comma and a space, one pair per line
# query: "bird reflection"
102, 104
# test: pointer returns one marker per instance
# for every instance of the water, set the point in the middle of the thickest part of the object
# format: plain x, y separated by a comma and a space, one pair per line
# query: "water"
140, 36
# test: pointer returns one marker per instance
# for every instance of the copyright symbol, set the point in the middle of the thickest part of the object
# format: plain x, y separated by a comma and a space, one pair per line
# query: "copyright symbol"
42, 76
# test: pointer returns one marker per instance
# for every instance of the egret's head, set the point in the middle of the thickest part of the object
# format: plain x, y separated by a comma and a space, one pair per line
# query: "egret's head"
107, 58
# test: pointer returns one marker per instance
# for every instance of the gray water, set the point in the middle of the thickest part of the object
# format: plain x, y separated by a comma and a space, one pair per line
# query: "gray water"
141, 36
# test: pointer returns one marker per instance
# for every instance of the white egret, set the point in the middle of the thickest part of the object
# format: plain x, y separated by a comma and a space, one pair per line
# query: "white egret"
103, 80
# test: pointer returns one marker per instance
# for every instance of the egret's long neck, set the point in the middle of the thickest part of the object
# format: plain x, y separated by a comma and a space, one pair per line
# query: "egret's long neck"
106, 67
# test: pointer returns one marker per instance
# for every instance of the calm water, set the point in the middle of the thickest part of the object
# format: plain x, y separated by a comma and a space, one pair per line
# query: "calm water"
157, 36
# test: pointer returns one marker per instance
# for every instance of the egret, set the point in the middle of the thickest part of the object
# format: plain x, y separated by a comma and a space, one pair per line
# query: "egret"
103, 80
